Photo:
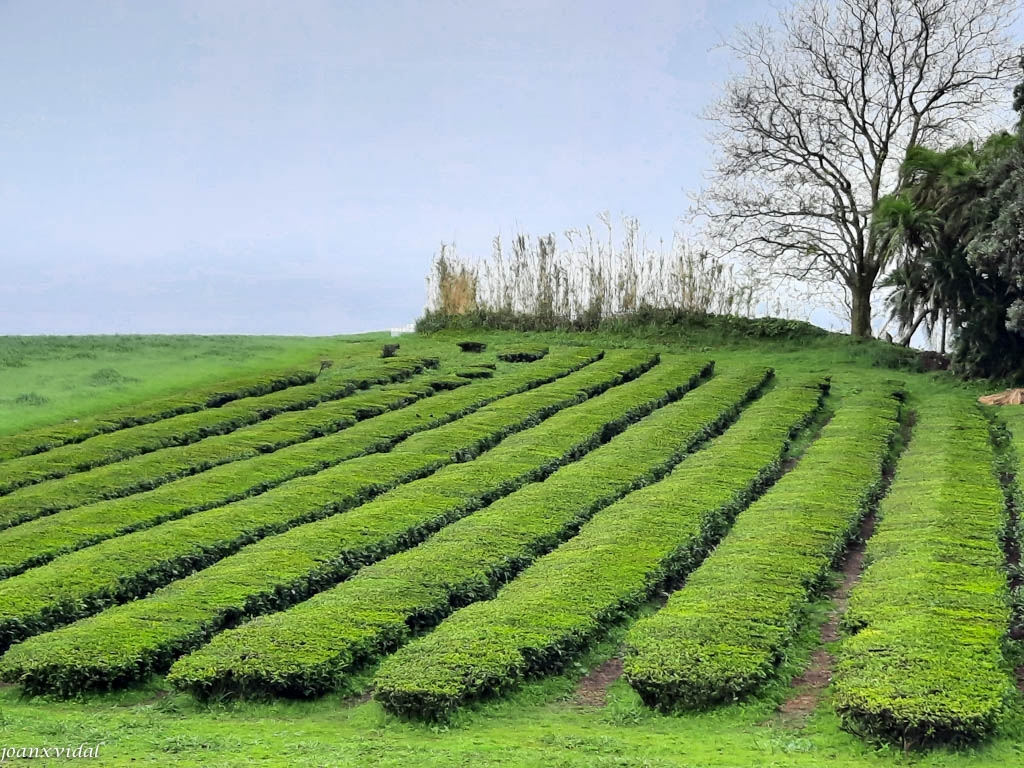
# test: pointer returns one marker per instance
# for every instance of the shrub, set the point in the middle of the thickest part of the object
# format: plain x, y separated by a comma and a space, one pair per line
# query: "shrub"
46, 438
523, 353
539, 622
130, 566
311, 648
192, 427
263, 472
720, 636
475, 372
38, 541
289, 566
924, 662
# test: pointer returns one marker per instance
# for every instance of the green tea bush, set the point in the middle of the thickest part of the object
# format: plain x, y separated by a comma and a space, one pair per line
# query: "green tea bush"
151, 470
311, 648
265, 471
543, 619
214, 396
193, 427
522, 353
924, 661
37, 541
127, 567
720, 636
290, 566
475, 372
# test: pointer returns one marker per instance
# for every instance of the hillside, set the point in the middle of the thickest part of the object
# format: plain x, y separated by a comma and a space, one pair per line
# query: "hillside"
723, 544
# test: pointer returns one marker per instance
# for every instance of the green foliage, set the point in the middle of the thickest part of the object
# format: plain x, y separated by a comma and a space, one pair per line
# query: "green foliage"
475, 372
130, 566
214, 396
194, 427
720, 636
956, 228
316, 646
522, 353
541, 724
151, 470
541, 621
924, 663
732, 327
263, 471
37, 541
131, 640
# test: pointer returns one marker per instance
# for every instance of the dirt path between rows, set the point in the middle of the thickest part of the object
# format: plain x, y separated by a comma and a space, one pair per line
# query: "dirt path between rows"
592, 690
809, 685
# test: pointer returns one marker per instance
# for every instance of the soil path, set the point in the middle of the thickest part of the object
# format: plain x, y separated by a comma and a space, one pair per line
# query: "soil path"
809, 685
592, 690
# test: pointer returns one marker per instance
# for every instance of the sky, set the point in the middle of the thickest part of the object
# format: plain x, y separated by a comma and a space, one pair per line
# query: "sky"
291, 167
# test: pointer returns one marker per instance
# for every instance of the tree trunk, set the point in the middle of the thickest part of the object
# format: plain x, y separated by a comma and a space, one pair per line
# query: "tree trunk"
860, 316
905, 341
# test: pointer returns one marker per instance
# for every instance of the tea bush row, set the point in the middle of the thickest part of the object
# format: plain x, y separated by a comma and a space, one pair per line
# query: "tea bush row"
720, 636
129, 641
38, 541
311, 648
924, 663
133, 565
213, 396
230, 483
193, 427
543, 619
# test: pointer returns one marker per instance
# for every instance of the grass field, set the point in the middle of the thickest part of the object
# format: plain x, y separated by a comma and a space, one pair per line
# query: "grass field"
46, 379
660, 547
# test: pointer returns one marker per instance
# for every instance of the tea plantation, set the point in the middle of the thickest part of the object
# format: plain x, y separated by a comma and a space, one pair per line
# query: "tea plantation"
626, 549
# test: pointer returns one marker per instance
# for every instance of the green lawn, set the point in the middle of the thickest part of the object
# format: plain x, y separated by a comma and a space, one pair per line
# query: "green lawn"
540, 724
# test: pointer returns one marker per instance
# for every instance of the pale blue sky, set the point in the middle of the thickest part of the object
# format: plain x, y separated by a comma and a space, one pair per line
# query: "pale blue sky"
291, 167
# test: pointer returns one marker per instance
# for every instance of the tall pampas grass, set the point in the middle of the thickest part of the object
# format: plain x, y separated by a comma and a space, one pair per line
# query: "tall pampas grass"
587, 276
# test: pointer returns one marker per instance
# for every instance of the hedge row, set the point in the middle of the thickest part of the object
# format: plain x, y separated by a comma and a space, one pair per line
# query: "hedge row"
129, 566
556, 607
212, 396
721, 635
522, 353
475, 372
193, 427
38, 541
310, 649
150, 470
127, 642
1012, 465
230, 483
929, 615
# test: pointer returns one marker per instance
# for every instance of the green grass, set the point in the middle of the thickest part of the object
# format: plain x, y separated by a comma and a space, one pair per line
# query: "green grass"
47, 379
538, 725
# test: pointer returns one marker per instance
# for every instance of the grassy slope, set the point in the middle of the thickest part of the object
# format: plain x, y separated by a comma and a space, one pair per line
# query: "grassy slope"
47, 379
539, 725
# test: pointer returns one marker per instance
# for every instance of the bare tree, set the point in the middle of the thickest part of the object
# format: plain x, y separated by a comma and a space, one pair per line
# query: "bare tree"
813, 129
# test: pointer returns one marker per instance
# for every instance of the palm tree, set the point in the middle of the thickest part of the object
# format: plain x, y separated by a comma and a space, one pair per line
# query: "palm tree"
924, 228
